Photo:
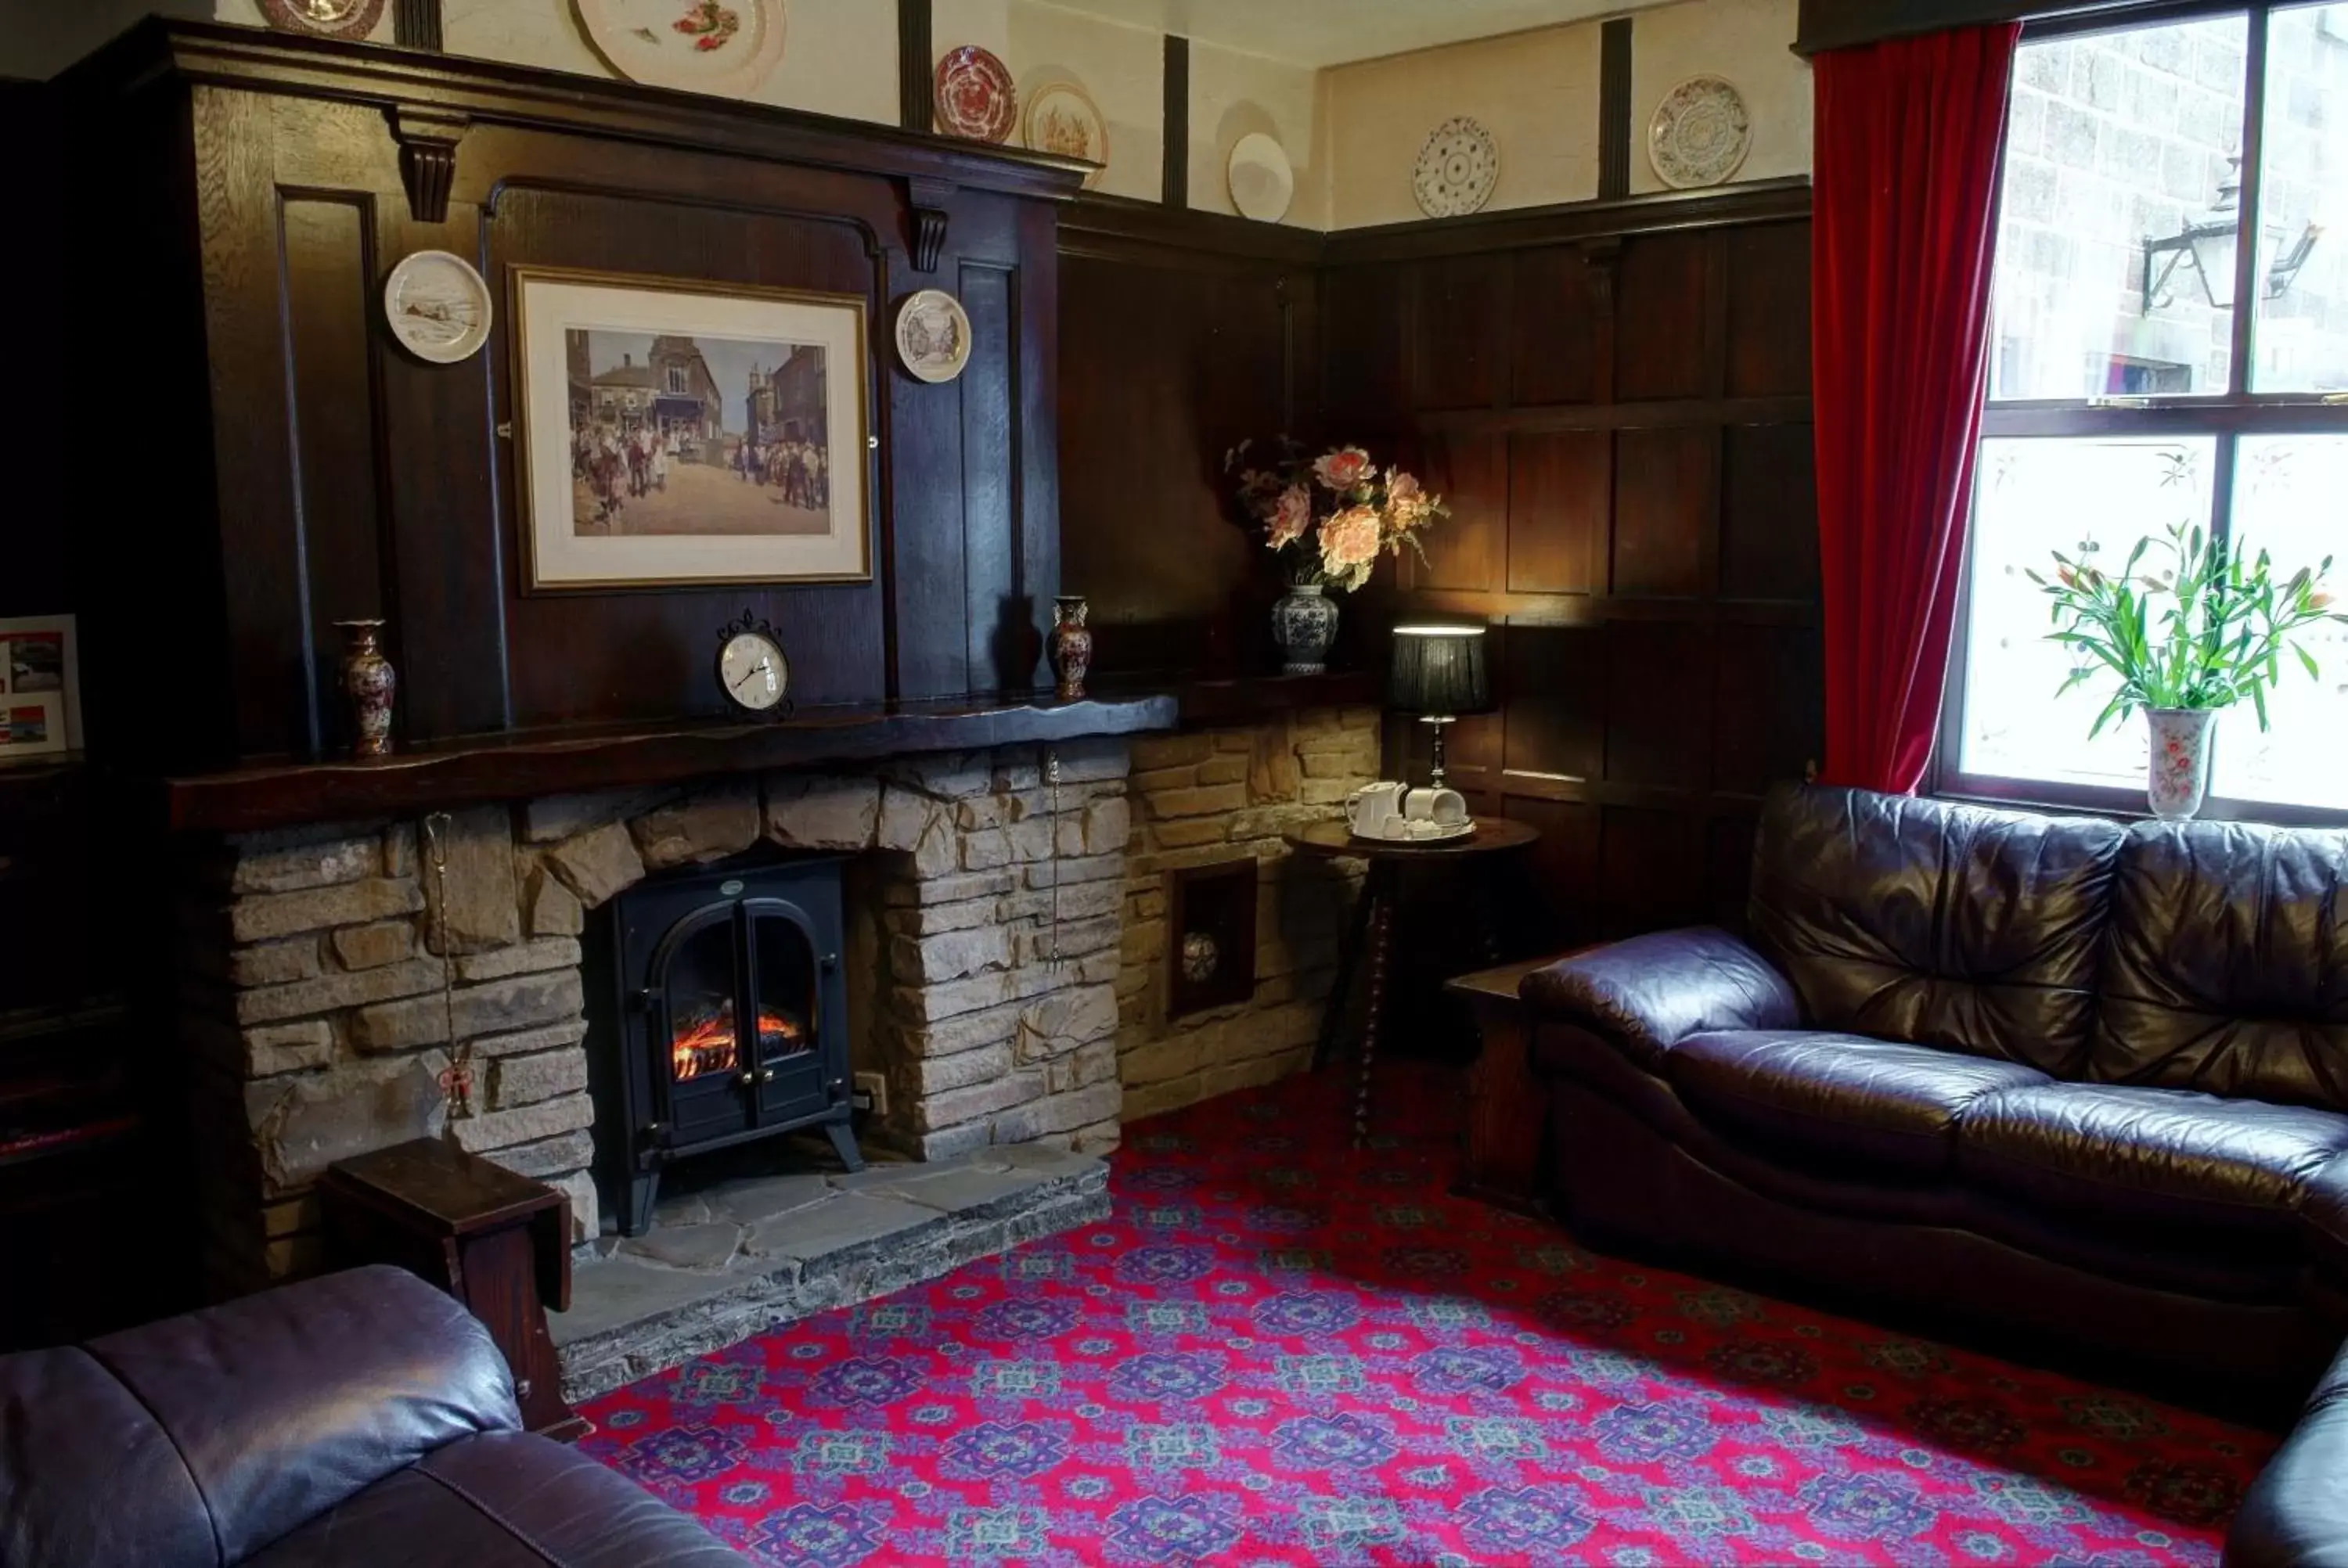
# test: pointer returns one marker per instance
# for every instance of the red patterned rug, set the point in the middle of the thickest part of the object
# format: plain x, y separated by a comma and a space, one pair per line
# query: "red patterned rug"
1280, 1351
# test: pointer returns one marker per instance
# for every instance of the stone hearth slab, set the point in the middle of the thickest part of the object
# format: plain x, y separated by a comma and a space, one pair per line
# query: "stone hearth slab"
742, 1257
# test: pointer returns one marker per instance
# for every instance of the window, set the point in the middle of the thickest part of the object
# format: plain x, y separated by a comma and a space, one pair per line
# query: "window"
2170, 332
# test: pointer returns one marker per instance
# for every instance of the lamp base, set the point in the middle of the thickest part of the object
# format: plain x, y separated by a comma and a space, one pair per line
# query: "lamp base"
1434, 776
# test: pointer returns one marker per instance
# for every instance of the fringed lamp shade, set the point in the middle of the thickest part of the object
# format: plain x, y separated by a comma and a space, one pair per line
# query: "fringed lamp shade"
1440, 670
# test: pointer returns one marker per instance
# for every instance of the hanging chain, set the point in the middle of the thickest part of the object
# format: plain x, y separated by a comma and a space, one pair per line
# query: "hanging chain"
457, 1078
1052, 774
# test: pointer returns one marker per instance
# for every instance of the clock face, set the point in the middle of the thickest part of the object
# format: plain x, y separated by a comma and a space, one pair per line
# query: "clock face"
753, 672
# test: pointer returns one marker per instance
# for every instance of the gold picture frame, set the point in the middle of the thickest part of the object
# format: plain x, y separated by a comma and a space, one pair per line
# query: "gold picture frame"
674, 433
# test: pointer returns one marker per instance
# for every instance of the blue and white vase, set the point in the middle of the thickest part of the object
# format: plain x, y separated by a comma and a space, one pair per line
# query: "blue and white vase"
1304, 623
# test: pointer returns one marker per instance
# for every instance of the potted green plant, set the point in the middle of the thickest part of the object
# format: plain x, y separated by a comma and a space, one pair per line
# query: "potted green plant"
2185, 642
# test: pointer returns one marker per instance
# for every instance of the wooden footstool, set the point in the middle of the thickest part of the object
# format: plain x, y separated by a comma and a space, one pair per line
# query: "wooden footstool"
497, 1242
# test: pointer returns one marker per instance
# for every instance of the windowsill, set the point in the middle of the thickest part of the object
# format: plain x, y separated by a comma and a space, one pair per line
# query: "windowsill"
2086, 800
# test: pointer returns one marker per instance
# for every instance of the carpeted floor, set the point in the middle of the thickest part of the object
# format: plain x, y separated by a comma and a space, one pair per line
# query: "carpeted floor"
1282, 1351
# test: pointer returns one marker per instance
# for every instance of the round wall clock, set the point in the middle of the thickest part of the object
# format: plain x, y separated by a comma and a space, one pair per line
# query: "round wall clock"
437, 306
726, 46
1700, 134
1261, 180
932, 335
323, 18
1457, 168
752, 671
975, 97
1062, 119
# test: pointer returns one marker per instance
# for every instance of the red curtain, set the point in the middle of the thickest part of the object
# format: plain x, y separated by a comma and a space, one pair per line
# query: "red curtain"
1907, 138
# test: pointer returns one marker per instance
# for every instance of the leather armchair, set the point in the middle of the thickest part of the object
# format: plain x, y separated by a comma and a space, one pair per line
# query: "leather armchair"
2295, 1516
358, 1418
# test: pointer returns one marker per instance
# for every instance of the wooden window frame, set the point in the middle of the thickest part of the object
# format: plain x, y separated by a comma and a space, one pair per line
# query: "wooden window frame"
2225, 417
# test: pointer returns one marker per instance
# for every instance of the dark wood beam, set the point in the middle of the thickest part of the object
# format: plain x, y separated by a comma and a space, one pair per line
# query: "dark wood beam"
1848, 23
1174, 187
416, 25
914, 48
1614, 110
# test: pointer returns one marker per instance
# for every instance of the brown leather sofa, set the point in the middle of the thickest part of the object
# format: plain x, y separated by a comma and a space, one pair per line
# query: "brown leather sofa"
365, 1418
2069, 1077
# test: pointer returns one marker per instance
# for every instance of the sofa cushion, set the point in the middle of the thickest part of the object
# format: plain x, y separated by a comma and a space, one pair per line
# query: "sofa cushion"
1837, 1099
2164, 1157
2228, 964
1935, 924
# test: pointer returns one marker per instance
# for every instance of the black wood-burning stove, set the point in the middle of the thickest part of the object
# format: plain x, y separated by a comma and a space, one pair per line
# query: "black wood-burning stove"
718, 1015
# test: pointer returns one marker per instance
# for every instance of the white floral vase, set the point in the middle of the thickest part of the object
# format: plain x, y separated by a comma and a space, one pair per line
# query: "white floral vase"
1304, 623
2180, 772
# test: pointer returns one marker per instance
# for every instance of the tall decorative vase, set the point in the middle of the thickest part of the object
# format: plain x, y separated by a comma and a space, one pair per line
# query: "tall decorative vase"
2180, 772
1304, 623
1071, 645
369, 680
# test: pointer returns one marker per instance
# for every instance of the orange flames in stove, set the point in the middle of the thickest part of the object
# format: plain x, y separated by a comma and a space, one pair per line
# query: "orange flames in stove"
708, 1045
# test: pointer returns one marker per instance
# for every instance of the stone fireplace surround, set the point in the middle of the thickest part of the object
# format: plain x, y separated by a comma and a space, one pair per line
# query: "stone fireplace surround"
312, 976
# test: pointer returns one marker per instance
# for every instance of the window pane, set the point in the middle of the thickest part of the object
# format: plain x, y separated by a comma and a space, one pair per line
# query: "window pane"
2092, 499
2287, 501
2117, 178
2302, 311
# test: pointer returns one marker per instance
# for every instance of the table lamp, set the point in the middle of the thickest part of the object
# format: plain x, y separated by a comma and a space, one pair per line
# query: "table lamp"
1439, 672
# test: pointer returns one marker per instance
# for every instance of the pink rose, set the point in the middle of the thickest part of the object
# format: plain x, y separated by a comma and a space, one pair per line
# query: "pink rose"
1291, 516
1349, 539
1343, 469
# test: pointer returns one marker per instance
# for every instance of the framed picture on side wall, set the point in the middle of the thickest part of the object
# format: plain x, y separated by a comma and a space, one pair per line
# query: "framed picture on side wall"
673, 433
40, 686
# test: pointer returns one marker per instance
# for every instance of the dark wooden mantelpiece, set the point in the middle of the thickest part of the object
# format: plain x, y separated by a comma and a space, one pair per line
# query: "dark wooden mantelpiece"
528, 764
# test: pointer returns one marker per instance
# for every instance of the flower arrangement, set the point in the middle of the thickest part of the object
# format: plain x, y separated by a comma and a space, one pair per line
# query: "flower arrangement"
1330, 517
2204, 633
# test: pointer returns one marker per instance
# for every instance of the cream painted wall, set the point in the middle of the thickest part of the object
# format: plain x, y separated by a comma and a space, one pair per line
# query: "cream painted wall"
1122, 68
1536, 93
1746, 41
39, 40
1232, 95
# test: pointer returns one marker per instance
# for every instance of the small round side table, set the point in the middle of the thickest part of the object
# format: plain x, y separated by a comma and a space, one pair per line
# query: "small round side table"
1368, 940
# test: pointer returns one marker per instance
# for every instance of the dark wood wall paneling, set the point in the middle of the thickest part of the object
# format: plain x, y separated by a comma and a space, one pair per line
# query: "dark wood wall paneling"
1621, 421
349, 479
1182, 334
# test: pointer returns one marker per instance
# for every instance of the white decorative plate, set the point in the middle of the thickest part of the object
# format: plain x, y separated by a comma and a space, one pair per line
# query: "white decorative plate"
1700, 134
932, 335
1457, 168
1263, 183
1062, 119
703, 46
437, 306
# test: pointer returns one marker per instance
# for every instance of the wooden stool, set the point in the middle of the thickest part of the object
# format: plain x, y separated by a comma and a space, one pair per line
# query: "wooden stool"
1506, 1105
497, 1242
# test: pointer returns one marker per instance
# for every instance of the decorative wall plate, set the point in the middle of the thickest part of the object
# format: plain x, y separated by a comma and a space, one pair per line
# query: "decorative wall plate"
1700, 134
1457, 168
1062, 119
323, 18
932, 335
975, 97
702, 45
1261, 180
439, 307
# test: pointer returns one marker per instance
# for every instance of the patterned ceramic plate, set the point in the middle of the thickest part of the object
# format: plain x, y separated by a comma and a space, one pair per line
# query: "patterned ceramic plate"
1457, 168
1062, 119
703, 46
323, 18
975, 97
1261, 180
439, 307
1700, 134
932, 335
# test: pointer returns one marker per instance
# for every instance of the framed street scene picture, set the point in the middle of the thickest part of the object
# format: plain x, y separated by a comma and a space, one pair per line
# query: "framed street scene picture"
676, 432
